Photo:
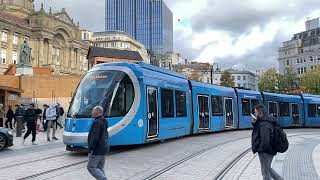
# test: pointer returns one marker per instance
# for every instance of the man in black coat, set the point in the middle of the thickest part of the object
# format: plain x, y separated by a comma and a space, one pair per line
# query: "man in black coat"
97, 144
31, 118
262, 136
44, 119
9, 117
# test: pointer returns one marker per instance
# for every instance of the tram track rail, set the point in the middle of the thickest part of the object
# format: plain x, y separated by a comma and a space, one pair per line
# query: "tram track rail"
34, 161
162, 171
62, 167
193, 155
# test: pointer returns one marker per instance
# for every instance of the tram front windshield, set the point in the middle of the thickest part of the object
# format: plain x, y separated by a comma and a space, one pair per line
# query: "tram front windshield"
103, 88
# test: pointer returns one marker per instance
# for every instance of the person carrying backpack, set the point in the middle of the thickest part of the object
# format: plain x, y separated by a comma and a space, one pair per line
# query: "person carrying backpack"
262, 141
44, 119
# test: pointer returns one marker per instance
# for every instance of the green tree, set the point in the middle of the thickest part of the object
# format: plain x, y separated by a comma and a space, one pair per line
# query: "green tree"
269, 81
310, 82
226, 80
289, 82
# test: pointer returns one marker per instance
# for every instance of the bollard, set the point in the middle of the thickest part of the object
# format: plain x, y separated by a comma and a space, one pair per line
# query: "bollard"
19, 126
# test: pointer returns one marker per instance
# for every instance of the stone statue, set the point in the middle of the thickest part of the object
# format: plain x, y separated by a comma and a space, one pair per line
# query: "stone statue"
25, 55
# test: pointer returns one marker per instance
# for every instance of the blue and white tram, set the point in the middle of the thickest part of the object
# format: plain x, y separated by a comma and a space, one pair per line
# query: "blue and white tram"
131, 95
143, 103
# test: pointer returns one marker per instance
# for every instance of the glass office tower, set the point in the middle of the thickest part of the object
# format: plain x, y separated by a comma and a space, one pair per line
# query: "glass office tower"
148, 21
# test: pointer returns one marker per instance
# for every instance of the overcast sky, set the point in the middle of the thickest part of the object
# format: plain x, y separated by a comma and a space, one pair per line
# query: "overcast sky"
232, 33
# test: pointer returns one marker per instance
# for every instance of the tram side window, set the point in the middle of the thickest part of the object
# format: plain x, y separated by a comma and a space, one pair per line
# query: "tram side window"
217, 108
167, 103
273, 109
245, 107
318, 107
284, 109
254, 102
312, 110
181, 104
123, 99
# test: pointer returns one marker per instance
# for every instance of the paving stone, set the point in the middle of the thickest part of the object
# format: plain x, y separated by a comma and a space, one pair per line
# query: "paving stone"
139, 162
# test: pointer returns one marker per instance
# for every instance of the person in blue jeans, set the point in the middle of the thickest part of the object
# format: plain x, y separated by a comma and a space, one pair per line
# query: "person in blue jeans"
97, 144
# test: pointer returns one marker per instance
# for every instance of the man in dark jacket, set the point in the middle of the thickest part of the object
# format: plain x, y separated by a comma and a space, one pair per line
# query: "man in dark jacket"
9, 117
31, 118
262, 135
44, 119
97, 144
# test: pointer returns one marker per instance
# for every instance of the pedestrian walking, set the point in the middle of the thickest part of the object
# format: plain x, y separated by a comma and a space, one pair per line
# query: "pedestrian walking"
2, 113
58, 123
19, 115
44, 119
51, 116
262, 135
9, 117
31, 118
98, 144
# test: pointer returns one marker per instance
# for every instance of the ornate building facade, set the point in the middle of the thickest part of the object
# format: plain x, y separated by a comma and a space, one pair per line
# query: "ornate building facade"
54, 38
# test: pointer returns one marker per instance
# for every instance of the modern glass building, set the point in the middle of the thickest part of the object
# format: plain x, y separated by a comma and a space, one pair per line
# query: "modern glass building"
148, 21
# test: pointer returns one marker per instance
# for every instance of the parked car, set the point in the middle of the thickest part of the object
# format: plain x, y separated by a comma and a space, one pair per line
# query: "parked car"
6, 138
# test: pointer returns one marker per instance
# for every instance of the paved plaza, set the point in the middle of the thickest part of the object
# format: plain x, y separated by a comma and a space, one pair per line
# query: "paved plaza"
193, 157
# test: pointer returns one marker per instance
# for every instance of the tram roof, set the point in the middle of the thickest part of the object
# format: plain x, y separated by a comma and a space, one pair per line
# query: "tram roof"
246, 91
140, 67
311, 95
312, 98
212, 86
284, 97
160, 70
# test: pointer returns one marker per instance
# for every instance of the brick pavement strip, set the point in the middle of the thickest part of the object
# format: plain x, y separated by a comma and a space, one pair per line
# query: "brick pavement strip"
295, 164
316, 159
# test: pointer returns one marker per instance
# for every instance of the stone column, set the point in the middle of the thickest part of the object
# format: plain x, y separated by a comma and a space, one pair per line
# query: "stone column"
9, 47
71, 61
50, 52
41, 57
66, 57
76, 59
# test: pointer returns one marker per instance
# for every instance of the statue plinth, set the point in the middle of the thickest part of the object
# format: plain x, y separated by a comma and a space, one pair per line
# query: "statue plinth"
24, 70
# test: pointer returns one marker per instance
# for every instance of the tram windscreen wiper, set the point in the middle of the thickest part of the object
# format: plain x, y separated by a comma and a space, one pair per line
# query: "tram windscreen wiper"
81, 115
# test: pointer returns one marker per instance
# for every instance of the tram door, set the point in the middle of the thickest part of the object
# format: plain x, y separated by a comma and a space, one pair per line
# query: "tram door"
273, 108
152, 115
204, 114
228, 112
295, 114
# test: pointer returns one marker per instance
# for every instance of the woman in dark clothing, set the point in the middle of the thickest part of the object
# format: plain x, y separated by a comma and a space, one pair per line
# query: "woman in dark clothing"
9, 117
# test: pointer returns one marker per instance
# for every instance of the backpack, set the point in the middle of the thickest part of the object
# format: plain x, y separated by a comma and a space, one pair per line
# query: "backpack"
279, 142
57, 111
61, 110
